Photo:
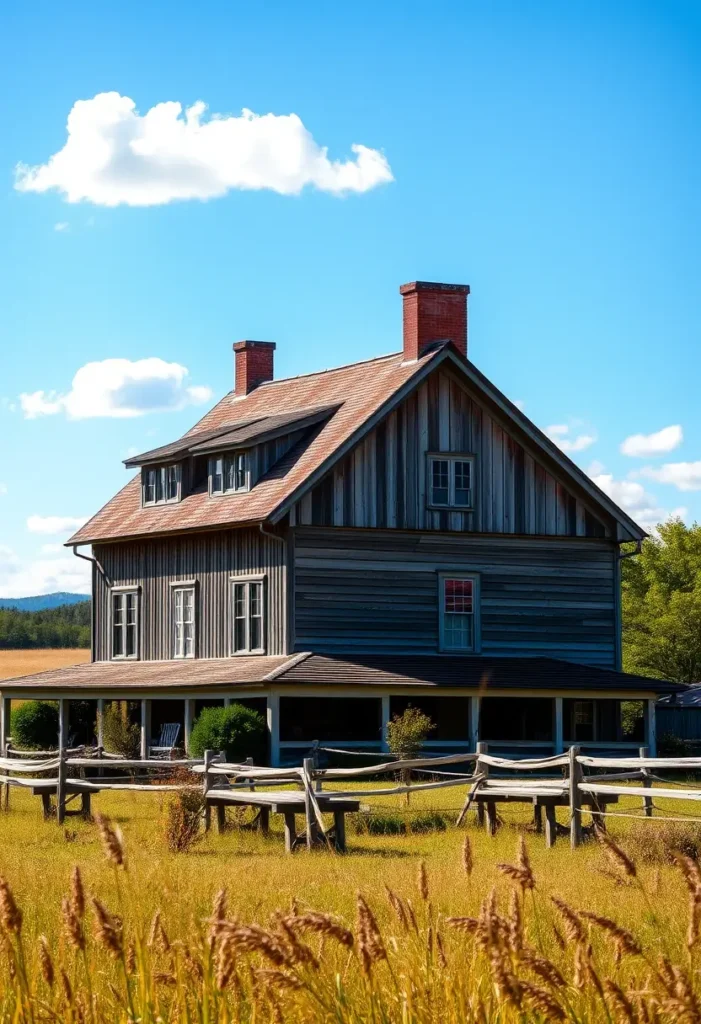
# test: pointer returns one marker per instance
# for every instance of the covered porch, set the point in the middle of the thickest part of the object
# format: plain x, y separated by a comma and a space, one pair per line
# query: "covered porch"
519, 706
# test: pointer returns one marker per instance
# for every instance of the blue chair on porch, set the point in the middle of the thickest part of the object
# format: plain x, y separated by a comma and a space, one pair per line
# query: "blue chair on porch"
167, 741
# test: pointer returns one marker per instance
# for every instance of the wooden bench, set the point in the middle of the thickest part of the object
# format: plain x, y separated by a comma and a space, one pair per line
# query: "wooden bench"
542, 796
47, 789
288, 804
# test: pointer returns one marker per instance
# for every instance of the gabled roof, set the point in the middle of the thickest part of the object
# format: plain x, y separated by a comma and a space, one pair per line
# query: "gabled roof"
358, 390
349, 401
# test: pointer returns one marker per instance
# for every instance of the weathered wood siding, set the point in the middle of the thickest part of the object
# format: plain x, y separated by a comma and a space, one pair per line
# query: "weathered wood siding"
382, 481
210, 559
377, 591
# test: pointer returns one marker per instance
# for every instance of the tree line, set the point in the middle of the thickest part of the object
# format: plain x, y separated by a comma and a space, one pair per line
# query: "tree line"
65, 626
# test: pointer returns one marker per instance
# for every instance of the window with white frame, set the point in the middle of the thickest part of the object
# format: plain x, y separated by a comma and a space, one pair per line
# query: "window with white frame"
125, 624
184, 622
229, 473
459, 612
247, 616
450, 481
160, 485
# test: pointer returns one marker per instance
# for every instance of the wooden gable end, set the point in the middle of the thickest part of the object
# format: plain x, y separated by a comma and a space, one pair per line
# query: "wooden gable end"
382, 481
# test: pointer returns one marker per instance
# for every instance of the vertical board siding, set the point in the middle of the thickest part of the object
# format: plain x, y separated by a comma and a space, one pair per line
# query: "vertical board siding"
383, 481
378, 592
211, 559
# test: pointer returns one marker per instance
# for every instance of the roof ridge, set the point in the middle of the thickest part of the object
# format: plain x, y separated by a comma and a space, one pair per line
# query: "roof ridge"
329, 369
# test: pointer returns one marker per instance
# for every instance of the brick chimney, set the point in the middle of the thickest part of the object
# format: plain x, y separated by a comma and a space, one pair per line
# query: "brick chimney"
253, 365
433, 312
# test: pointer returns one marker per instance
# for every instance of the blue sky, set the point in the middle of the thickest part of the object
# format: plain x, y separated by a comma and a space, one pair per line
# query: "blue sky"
547, 154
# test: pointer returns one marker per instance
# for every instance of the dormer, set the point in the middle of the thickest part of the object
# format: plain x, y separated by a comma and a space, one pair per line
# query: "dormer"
230, 473
161, 485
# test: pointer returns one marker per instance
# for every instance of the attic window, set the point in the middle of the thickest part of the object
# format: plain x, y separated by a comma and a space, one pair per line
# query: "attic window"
450, 481
229, 474
160, 485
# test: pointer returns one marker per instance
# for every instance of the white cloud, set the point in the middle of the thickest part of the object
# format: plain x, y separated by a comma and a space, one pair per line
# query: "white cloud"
52, 549
115, 155
62, 225
55, 524
642, 445
560, 434
118, 388
42, 575
634, 499
685, 476
519, 403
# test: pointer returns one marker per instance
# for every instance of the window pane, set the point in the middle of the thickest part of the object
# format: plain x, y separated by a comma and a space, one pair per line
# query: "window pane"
217, 472
458, 618
463, 482
172, 483
160, 483
240, 463
229, 474
131, 641
439, 481
117, 631
150, 490
458, 595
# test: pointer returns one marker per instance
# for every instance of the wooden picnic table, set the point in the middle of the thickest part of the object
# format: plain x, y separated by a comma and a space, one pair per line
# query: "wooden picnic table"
288, 804
46, 788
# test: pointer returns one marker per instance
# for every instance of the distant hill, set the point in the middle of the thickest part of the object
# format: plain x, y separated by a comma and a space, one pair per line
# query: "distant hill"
41, 602
66, 625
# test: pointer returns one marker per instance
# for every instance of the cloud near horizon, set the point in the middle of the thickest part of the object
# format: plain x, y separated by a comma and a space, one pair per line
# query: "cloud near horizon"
634, 499
55, 524
665, 440
114, 155
685, 476
119, 389
42, 575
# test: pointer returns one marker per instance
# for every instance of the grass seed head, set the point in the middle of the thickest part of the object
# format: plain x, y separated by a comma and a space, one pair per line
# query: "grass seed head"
542, 1002
107, 931
111, 839
71, 925
571, 922
10, 914
323, 924
468, 862
77, 894
423, 882
46, 964
618, 857
369, 938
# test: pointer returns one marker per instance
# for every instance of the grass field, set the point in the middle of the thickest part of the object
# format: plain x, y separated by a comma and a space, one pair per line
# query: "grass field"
481, 969
24, 663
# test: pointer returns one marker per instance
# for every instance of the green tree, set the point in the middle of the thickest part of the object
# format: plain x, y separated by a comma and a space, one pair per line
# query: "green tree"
238, 730
662, 605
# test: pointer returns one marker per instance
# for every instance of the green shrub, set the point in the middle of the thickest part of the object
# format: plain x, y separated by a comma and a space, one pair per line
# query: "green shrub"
237, 730
120, 736
183, 820
34, 725
407, 733
428, 821
378, 823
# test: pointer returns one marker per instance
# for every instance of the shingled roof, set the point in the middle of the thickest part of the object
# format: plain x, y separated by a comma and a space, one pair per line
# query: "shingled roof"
359, 391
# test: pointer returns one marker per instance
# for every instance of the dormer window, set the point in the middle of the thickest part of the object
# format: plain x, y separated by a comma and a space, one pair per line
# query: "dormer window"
229, 474
450, 481
161, 485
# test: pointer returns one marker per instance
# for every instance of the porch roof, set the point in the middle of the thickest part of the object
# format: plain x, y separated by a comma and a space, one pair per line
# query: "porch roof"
479, 673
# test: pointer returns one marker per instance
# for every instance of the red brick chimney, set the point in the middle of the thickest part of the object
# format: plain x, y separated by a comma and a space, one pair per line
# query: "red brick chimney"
434, 312
253, 365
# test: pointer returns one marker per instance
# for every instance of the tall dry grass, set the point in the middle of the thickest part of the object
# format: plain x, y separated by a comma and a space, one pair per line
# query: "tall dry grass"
439, 945
24, 663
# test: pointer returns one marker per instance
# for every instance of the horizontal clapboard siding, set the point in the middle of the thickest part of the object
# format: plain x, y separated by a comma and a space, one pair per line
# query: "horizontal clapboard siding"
208, 558
383, 482
378, 592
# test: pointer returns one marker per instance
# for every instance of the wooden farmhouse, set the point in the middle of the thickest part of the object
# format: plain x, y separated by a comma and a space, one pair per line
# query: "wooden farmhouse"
333, 547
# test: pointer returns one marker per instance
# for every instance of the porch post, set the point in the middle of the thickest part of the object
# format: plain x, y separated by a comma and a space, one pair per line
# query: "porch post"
188, 719
651, 728
474, 722
559, 736
385, 721
145, 728
62, 723
273, 716
227, 702
5, 712
100, 721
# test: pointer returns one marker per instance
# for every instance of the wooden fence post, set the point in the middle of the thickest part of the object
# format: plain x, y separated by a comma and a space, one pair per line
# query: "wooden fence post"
208, 756
483, 769
315, 759
647, 800
252, 783
576, 776
308, 767
61, 787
